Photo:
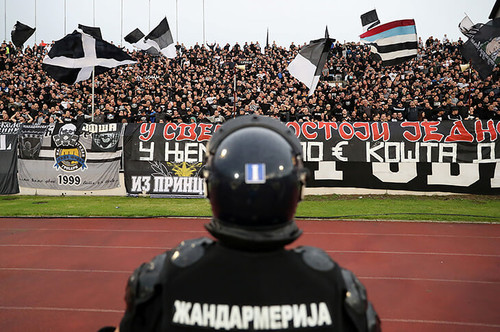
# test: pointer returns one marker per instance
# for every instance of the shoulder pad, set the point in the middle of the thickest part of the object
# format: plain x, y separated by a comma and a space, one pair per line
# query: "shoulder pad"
356, 292
316, 258
358, 308
141, 284
190, 251
373, 321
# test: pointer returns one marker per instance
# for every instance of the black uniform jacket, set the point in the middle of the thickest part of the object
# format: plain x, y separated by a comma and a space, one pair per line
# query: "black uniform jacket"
203, 285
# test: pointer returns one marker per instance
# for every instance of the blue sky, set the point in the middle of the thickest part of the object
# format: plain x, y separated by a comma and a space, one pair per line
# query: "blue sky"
233, 21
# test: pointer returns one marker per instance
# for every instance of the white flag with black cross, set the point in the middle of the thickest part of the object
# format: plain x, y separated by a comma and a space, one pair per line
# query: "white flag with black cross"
73, 58
308, 64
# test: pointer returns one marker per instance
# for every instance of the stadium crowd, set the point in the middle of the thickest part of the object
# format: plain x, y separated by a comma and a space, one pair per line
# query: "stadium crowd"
198, 86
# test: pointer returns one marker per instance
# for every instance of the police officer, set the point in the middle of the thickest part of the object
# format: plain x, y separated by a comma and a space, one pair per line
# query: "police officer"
246, 280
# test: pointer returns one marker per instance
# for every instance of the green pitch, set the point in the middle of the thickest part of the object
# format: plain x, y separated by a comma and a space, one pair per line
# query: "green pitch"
373, 207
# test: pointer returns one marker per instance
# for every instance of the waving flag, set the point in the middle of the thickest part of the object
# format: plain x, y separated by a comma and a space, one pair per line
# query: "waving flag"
369, 20
468, 28
21, 33
495, 11
308, 64
483, 48
136, 38
73, 58
93, 31
161, 38
394, 42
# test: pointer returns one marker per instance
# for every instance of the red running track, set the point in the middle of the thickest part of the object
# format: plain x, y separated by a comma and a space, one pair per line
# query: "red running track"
70, 274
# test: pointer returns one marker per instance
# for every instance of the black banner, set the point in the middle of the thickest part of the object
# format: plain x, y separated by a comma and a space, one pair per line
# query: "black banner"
30, 140
400, 142
8, 158
448, 156
165, 159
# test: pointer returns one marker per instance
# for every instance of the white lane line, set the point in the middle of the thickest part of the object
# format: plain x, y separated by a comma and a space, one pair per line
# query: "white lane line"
441, 322
329, 251
409, 253
204, 232
60, 309
405, 235
431, 280
27, 269
81, 246
103, 230
24, 269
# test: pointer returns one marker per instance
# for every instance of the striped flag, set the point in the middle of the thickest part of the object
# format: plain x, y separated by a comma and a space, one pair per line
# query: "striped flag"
308, 64
393, 42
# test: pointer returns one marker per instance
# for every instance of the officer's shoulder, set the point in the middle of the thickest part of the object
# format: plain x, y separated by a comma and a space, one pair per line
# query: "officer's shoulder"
141, 284
189, 252
359, 309
356, 292
315, 258
143, 281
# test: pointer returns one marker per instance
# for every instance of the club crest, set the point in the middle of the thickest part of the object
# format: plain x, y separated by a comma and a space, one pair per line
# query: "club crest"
70, 155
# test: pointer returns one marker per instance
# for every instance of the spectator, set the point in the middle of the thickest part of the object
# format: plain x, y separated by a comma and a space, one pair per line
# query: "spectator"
98, 116
412, 113
454, 116
200, 81
217, 118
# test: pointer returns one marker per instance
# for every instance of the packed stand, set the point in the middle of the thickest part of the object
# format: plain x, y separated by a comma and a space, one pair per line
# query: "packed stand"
198, 86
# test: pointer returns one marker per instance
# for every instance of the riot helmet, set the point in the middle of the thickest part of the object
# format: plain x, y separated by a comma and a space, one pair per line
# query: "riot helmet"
254, 179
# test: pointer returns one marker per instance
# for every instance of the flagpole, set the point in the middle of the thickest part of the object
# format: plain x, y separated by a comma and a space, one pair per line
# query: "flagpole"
177, 21
204, 41
235, 94
65, 14
469, 99
5, 18
93, 83
149, 16
93, 13
121, 24
35, 22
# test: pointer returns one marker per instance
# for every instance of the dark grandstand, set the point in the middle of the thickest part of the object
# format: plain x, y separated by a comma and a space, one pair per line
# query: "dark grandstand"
198, 86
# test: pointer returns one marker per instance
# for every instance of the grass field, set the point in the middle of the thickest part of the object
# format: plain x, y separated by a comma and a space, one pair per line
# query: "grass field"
473, 208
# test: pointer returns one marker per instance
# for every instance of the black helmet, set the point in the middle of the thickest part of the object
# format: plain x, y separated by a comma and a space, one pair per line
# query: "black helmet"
254, 176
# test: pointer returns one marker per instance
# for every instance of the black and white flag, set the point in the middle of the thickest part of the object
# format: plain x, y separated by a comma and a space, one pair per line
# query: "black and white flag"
483, 48
136, 38
73, 58
161, 38
468, 28
93, 31
308, 64
495, 11
369, 20
21, 33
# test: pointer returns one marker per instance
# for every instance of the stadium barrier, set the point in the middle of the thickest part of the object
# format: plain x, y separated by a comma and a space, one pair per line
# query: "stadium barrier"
166, 159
